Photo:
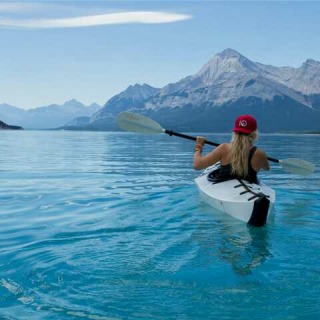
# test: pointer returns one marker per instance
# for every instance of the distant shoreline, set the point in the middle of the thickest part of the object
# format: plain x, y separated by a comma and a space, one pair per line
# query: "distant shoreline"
182, 131
4, 126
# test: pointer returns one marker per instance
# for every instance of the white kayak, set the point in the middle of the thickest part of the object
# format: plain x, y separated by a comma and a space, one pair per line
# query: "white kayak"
248, 202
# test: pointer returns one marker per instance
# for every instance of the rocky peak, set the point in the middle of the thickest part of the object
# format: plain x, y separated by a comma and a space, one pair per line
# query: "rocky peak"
139, 92
226, 62
73, 102
227, 53
310, 63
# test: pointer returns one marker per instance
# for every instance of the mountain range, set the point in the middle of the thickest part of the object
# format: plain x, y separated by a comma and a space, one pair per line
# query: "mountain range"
47, 117
281, 98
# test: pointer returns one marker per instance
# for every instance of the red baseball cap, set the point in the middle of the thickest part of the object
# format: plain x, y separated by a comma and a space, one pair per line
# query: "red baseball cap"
245, 124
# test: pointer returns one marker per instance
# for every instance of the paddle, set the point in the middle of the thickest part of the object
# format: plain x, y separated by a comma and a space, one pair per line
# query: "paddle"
134, 122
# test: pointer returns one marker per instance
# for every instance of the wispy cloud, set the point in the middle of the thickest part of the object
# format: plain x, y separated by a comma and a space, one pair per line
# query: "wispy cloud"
142, 17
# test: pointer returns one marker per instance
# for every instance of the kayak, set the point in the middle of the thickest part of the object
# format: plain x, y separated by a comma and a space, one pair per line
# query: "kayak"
248, 202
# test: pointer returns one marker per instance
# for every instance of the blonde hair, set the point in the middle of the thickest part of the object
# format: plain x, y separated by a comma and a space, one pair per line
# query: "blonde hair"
239, 152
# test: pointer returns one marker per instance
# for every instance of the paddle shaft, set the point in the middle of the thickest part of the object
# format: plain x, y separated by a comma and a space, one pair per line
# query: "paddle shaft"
172, 133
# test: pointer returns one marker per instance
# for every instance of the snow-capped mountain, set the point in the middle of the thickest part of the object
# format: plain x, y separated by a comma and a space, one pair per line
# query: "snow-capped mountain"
305, 79
229, 84
227, 77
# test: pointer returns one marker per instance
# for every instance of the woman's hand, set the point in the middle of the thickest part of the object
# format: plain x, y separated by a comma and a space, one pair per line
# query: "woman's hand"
213, 157
200, 141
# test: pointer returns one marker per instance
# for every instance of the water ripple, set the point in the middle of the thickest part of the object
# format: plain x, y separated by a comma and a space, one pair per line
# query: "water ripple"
109, 226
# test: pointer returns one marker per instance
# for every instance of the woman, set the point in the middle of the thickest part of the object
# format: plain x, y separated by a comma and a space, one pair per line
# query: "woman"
239, 158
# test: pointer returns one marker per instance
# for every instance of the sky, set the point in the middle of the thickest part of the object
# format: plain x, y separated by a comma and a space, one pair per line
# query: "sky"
54, 51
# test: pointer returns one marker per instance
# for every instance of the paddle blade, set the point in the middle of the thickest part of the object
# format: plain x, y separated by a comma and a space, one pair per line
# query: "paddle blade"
298, 166
134, 122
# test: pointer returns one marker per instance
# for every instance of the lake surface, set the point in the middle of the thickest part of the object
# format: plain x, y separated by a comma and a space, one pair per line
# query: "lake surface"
110, 226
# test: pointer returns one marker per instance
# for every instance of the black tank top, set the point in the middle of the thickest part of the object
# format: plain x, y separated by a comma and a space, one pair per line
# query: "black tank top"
225, 171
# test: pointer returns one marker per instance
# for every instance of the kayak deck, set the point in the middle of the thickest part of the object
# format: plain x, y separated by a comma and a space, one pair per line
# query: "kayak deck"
233, 198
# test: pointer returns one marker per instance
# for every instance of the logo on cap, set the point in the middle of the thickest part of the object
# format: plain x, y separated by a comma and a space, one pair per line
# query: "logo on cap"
243, 123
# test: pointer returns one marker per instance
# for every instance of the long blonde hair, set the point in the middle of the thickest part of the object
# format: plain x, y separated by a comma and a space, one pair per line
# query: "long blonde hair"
239, 152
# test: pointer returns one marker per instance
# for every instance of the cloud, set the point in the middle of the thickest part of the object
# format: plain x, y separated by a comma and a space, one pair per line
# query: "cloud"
142, 17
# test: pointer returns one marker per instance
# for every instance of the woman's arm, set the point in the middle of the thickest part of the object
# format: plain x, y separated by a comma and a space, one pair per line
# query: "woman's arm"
265, 162
200, 162
260, 161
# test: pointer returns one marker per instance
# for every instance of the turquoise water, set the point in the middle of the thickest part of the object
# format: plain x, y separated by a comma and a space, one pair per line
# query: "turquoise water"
110, 226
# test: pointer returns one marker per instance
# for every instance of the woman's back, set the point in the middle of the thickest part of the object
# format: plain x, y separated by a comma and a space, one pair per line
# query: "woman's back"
258, 158
226, 167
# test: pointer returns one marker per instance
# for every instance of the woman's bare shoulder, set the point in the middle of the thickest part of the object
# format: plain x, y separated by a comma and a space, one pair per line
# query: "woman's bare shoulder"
260, 153
260, 160
224, 146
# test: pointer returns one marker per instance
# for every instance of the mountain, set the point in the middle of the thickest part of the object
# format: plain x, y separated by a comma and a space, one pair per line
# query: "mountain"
229, 84
133, 98
305, 79
228, 76
11, 114
77, 122
57, 115
46, 117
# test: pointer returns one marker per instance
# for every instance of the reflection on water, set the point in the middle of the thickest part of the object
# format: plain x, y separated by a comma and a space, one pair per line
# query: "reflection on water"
246, 250
241, 246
